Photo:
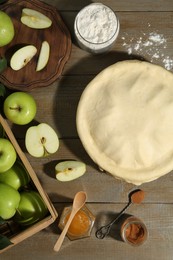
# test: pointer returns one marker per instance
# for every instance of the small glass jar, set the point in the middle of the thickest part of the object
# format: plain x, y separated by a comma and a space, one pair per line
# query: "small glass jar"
96, 28
133, 231
81, 225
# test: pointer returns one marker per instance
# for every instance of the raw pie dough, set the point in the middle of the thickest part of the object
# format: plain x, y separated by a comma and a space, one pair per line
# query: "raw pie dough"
125, 121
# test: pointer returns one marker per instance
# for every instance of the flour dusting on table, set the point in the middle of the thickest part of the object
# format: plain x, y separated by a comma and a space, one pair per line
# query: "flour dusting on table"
149, 44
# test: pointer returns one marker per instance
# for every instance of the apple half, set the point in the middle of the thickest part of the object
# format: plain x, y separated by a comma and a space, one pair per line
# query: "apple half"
35, 19
69, 170
22, 56
41, 140
43, 56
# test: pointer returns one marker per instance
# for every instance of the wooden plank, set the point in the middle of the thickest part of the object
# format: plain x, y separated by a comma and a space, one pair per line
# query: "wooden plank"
157, 218
57, 106
100, 186
134, 5
134, 42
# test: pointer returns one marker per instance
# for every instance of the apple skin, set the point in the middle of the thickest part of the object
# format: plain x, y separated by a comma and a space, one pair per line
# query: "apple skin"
7, 155
20, 108
43, 56
16, 176
9, 201
6, 29
31, 208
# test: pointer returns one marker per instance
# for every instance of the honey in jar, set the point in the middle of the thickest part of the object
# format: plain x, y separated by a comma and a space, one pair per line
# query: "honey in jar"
81, 224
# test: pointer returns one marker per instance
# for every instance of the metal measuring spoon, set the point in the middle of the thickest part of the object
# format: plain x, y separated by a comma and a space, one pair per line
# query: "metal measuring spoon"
136, 197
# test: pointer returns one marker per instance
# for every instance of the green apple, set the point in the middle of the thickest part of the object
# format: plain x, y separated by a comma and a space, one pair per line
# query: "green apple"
41, 140
6, 29
20, 108
22, 57
31, 208
7, 155
69, 170
35, 19
9, 201
43, 56
16, 176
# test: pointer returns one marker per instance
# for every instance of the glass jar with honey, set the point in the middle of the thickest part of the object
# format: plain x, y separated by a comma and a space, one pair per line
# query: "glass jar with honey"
81, 225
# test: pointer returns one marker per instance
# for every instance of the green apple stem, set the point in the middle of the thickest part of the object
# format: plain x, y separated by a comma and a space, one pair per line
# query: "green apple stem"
16, 108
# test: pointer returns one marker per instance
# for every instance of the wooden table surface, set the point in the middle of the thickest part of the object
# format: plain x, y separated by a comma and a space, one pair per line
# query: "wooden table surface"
141, 22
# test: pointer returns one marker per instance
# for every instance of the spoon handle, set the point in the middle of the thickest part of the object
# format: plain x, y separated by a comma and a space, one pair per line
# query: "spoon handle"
104, 230
60, 240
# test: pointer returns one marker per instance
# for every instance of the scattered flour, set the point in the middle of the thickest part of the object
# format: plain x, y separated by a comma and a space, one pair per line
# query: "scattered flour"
151, 45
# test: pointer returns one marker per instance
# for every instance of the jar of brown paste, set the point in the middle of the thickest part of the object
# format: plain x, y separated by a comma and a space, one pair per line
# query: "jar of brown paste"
133, 231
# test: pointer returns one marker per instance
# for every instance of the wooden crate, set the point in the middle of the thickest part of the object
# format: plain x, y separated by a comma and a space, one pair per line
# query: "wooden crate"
18, 235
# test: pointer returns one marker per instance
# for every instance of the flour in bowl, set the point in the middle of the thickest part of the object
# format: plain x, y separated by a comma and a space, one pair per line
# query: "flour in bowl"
96, 27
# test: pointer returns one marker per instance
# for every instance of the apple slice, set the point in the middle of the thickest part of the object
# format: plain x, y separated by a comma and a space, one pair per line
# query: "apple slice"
22, 56
35, 19
69, 170
43, 56
41, 140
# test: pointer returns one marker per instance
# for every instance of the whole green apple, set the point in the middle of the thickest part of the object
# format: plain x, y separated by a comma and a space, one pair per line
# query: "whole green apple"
7, 155
31, 208
9, 201
6, 29
20, 108
16, 176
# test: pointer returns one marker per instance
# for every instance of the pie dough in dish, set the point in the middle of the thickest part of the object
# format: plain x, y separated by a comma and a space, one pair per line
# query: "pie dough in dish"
125, 121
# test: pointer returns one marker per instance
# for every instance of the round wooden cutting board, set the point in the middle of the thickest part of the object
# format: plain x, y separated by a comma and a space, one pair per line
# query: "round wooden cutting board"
57, 36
